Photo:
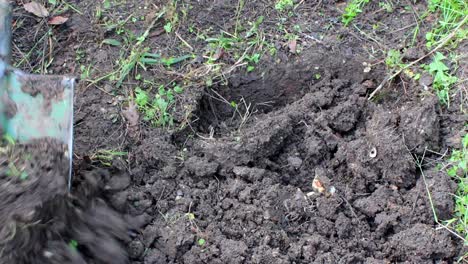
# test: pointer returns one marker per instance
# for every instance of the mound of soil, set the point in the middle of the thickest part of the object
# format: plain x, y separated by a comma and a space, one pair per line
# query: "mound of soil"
303, 170
242, 189
43, 223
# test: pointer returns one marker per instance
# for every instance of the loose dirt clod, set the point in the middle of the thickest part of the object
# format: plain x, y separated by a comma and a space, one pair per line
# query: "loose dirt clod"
43, 223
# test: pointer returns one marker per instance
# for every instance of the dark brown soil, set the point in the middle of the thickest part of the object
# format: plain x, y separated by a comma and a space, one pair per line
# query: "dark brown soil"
43, 223
304, 170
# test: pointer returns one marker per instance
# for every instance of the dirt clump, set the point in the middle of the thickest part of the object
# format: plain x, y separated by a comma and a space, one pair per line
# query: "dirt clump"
43, 222
246, 192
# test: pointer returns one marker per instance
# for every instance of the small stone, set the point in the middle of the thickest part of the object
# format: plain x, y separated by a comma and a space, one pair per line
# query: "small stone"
426, 80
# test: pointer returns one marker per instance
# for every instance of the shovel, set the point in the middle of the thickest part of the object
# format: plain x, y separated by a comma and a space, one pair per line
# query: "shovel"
33, 106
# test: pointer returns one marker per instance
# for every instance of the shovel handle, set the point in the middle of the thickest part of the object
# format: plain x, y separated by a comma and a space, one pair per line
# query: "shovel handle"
5, 31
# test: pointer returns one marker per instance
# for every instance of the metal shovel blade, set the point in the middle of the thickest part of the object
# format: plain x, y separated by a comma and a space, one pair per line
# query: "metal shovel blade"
33, 106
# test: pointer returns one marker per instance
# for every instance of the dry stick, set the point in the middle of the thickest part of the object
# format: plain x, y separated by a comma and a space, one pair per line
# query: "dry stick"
388, 78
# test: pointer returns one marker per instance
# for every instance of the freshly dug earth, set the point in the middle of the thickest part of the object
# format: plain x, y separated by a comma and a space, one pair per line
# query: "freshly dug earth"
43, 223
243, 193
241, 189
236, 185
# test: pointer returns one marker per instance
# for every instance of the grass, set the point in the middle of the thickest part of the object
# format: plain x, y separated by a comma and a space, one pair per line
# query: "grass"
458, 170
451, 13
353, 9
282, 5
106, 156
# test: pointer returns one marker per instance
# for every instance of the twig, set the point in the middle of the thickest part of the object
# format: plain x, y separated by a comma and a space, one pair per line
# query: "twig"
389, 78
183, 41
431, 202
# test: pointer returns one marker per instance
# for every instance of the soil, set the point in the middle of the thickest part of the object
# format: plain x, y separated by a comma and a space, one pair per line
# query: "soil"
304, 170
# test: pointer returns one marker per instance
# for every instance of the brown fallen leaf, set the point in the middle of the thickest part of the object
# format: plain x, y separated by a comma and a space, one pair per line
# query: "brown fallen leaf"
36, 9
131, 115
292, 44
57, 20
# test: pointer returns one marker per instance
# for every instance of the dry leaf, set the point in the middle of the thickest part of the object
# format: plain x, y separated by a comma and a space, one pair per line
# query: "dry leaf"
292, 44
57, 20
131, 114
36, 9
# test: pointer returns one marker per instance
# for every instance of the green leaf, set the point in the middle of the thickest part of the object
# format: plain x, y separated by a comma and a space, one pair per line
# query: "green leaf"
178, 89
465, 141
250, 68
168, 27
73, 244
53, 2
172, 61
452, 172
141, 98
23, 176
107, 4
112, 42
201, 242
190, 216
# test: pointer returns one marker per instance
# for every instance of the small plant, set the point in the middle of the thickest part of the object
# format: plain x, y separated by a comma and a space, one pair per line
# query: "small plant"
458, 169
105, 156
201, 242
393, 59
168, 27
353, 9
254, 59
443, 80
387, 6
156, 109
282, 5
452, 13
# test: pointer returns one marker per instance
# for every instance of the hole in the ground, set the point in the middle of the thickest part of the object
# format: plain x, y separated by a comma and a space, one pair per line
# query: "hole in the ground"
225, 108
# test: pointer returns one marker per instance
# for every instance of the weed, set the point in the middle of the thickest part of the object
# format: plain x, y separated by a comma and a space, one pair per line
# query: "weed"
201, 242
253, 59
352, 10
156, 110
105, 156
282, 5
168, 27
393, 59
453, 13
443, 80
388, 6
458, 169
